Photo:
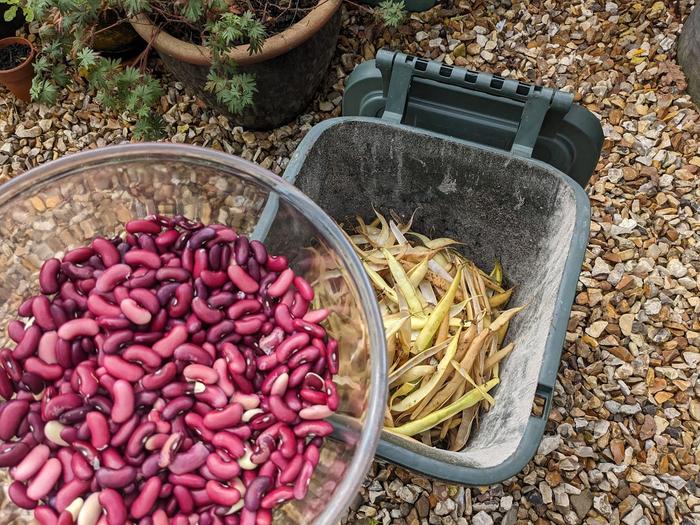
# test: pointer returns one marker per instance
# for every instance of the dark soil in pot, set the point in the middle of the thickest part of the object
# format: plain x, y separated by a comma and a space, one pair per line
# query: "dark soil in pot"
13, 55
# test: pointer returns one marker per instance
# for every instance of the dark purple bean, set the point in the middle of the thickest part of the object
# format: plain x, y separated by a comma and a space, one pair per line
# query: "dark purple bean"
32, 383
200, 237
59, 315
176, 407
73, 416
115, 479
166, 292
48, 276
190, 460
259, 251
12, 453
150, 466
241, 250
255, 492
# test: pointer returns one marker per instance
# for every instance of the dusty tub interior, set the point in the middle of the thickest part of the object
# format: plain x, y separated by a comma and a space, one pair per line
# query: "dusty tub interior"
499, 207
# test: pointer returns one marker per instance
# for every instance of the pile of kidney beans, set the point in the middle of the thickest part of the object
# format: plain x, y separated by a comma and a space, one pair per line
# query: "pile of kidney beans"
172, 375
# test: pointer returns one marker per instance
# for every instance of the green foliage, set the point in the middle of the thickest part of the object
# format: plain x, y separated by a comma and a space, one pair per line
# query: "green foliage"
392, 12
232, 89
14, 6
68, 29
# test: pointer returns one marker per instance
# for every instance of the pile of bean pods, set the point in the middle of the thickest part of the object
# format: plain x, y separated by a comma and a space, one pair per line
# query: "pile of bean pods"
445, 323
174, 374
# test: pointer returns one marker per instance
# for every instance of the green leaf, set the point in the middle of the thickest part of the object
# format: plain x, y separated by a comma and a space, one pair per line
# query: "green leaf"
10, 13
86, 58
392, 12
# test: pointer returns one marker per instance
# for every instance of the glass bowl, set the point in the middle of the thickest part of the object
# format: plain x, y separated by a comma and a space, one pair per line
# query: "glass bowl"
66, 203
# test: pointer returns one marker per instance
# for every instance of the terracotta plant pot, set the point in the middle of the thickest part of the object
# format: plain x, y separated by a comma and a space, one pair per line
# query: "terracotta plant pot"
287, 70
19, 79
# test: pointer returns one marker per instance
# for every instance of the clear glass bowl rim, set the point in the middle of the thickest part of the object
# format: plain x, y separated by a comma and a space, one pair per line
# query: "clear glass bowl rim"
54, 170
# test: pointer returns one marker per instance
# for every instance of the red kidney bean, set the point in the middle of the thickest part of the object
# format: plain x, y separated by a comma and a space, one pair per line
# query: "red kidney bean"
12, 453
123, 395
173, 339
143, 355
134, 312
313, 428
69, 492
112, 277
114, 506
255, 492
142, 226
276, 263
277, 496
44, 481
166, 292
220, 330
115, 340
259, 251
107, 252
160, 377
99, 306
156, 441
240, 278
222, 494
146, 298
6, 388
190, 460
193, 353
15, 329
77, 273
184, 499
115, 479
201, 237
223, 418
60, 404
44, 370
271, 377
48, 276
31, 464
25, 309
230, 443
145, 258
144, 502
201, 262
166, 239
176, 407
280, 410
121, 369
18, 494
316, 316
12, 415
122, 435
78, 328
47, 347
195, 422
280, 286
190, 481
223, 470
29, 343
137, 440
80, 467
41, 310
197, 372
213, 396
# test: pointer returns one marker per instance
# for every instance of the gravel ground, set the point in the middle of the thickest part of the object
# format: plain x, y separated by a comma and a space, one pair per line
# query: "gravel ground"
622, 444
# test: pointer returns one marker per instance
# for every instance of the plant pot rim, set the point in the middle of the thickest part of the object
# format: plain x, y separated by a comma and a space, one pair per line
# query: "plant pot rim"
5, 42
274, 46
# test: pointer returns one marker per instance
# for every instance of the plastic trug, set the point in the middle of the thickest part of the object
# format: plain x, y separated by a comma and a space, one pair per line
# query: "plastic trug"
489, 110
